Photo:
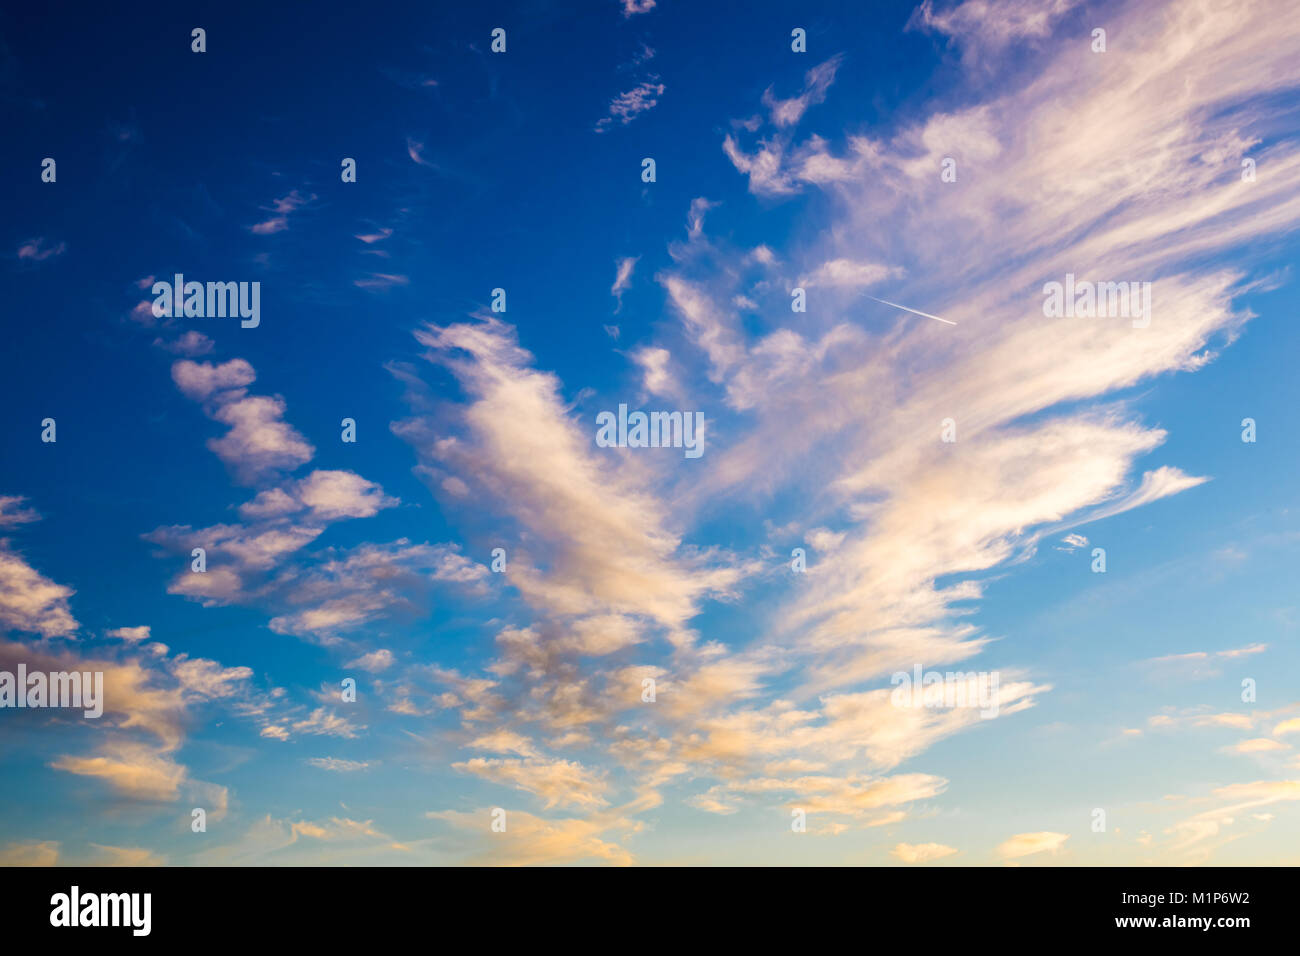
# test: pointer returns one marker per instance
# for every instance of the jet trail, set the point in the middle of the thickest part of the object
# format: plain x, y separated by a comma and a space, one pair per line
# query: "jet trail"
913, 311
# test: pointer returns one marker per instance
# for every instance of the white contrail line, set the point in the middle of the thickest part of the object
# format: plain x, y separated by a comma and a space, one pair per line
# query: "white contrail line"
913, 311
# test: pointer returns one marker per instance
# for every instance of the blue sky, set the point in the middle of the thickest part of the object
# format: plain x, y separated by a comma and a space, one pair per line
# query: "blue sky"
775, 170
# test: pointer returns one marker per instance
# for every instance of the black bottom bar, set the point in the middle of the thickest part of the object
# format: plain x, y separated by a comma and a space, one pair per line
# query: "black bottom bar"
329, 905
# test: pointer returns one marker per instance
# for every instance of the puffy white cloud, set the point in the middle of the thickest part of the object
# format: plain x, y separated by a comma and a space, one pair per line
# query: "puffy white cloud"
133, 769
29, 601
132, 635
259, 442
375, 662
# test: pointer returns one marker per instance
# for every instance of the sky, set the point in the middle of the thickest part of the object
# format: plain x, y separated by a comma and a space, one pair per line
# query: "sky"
570, 651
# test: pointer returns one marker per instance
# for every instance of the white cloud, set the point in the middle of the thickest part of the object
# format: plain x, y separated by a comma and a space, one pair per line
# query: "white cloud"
30, 853
850, 274
36, 250
1027, 844
339, 765
656, 376
29, 601
986, 27
561, 783
921, 852
283, 208
606, 547
375, 662
623, 279
816, 83
191, 343
630, 104
259, 442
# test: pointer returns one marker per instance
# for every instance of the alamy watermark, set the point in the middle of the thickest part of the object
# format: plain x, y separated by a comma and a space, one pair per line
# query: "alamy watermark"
76, 689
74, 908
213, 300
1092, 300
949, 690
652, 430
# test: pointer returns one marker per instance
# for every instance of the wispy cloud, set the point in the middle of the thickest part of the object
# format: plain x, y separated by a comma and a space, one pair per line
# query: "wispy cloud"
38, 250
283, 209
630, 104
986, 27
1028, 844
633, 7
622, 279
818, 80
415, 150
380, 281
339, 765
921, 852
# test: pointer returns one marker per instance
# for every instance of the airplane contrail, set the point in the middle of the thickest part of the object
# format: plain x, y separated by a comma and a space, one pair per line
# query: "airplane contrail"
913, 311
